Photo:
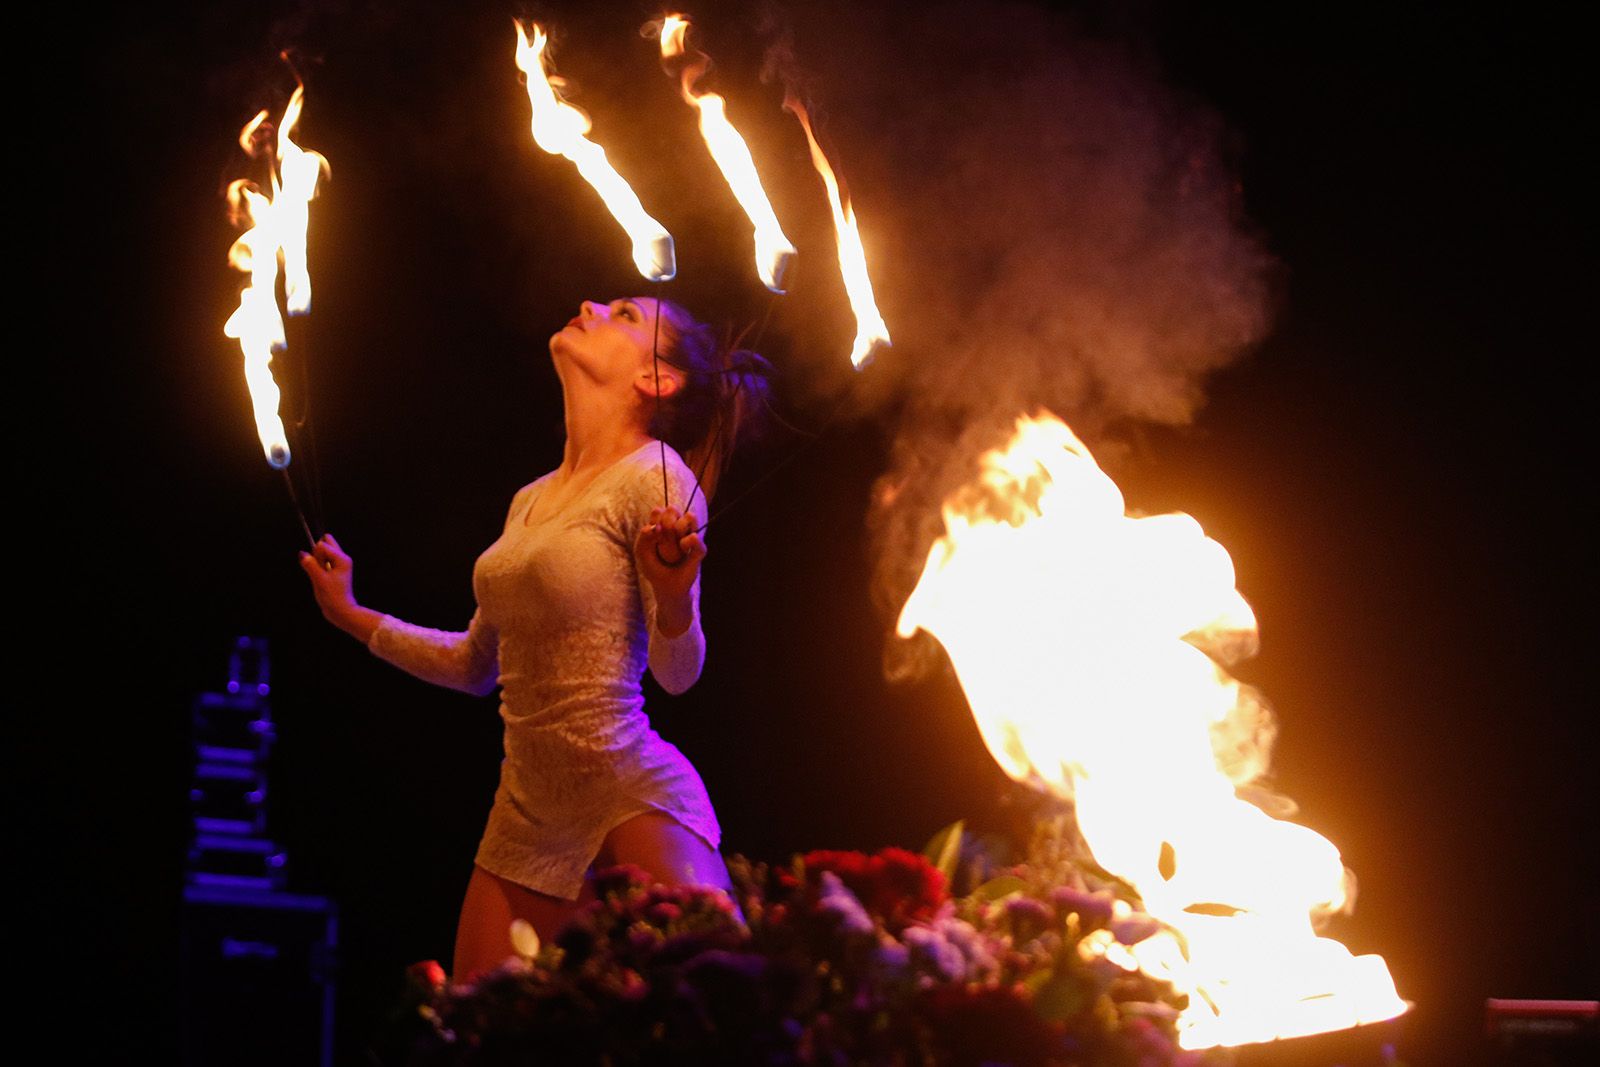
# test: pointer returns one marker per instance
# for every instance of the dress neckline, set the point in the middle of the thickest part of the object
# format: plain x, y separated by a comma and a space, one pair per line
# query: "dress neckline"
582, 493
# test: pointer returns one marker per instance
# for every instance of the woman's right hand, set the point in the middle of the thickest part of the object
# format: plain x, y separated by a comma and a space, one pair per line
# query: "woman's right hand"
332, 574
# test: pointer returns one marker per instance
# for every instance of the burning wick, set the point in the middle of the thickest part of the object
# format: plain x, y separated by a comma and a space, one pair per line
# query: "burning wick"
774, 252
275, 235
559, 129
870, 328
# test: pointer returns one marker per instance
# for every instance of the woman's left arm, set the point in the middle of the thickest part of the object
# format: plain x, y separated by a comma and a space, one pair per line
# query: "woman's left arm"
667, 555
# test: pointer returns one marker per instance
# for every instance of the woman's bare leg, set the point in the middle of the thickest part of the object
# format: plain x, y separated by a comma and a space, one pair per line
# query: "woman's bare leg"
655, 841
483, 937
667, 850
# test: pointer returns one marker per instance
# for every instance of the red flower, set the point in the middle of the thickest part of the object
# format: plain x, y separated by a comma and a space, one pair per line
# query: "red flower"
898, 886
427, 973
620, 880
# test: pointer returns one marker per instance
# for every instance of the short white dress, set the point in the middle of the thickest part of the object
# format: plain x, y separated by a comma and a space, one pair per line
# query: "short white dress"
565, 627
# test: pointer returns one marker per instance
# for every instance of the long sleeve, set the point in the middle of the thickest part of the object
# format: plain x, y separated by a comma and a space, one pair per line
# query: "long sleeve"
466, 660
675, 661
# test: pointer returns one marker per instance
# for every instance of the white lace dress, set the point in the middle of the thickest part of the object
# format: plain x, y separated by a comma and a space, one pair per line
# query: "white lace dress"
565, 627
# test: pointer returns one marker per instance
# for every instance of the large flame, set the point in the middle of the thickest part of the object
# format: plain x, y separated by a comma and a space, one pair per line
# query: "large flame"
1077, 633
774, 251
275, 227
870, 327
559, 129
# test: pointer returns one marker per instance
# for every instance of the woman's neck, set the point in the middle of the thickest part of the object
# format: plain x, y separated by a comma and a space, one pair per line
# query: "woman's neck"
597, 435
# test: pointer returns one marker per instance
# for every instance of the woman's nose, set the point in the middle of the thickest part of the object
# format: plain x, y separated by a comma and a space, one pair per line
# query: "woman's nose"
589, 309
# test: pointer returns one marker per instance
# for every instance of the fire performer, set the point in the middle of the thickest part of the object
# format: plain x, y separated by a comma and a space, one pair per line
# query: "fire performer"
594, 578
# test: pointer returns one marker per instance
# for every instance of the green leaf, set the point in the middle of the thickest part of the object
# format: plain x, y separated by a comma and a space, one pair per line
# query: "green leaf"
944, 850
1003, 886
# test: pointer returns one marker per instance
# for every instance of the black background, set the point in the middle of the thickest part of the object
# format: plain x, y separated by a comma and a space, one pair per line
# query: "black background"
1401, 473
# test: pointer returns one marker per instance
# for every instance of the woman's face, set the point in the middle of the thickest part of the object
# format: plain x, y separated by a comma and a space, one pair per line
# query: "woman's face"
609, 343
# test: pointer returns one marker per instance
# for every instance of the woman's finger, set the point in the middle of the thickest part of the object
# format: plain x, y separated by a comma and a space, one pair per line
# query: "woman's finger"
331, 555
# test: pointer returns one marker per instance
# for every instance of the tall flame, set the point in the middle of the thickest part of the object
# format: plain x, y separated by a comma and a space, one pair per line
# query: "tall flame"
1077, 633
870, 327
276, 227
774, 252
559, 129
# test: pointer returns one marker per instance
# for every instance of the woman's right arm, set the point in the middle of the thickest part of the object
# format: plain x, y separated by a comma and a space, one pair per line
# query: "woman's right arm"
465, 660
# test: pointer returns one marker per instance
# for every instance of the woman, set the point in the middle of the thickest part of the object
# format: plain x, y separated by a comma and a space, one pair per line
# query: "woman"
595, 577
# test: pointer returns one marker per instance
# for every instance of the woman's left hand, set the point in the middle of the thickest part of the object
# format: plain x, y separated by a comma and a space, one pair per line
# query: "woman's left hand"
668, 554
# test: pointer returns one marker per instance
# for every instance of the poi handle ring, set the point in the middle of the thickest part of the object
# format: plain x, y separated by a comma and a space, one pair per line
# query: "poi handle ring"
683, 557
673, 563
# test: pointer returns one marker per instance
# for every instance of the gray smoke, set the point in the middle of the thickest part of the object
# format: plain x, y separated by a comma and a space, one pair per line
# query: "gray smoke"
1050, 225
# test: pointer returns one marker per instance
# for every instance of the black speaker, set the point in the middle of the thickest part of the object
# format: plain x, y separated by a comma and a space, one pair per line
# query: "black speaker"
258, 978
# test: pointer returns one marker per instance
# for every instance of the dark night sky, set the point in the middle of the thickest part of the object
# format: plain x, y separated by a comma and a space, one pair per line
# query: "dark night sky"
1397, 470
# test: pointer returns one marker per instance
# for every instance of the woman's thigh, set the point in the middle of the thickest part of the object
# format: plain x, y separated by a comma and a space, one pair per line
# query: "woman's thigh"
668, 850
483, 937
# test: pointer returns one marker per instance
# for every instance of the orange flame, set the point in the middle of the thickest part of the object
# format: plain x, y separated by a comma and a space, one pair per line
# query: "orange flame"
870, 327
559, 129
774, 252
1077, 633
276, 230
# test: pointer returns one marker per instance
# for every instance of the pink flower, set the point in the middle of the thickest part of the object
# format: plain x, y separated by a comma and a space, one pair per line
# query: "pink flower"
1093, 909
663, 912
1134, 929
1029, 917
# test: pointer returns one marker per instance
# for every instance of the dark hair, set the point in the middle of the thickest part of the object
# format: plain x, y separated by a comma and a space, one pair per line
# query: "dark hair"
722, 398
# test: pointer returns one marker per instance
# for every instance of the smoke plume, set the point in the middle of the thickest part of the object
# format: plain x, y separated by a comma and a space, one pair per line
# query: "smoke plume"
1050, 226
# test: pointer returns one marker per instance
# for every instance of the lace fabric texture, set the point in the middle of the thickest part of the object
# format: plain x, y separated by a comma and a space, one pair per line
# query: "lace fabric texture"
566, 628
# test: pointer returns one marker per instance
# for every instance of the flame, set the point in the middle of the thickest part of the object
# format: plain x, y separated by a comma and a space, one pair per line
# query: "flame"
870, 327
276, 227
298, 171
559, 129
1077, 632
774, 252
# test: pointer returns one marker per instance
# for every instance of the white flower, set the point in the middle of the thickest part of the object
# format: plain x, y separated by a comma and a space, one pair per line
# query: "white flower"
525, 939
838, 901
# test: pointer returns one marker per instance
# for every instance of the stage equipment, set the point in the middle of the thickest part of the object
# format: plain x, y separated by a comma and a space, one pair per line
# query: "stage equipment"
257, 978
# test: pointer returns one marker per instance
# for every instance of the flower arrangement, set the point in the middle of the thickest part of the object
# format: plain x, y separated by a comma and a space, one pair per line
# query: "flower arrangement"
834, 958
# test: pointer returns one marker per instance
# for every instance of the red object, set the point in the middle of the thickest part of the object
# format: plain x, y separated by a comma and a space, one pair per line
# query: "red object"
428, 971
898, 886
1544, 1018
